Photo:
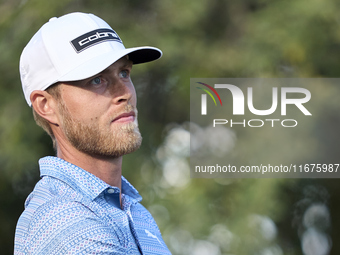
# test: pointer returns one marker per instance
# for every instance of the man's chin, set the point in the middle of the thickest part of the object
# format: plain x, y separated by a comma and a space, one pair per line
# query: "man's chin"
126, 145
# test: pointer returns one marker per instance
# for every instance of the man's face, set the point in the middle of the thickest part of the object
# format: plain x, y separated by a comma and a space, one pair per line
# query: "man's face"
99, 115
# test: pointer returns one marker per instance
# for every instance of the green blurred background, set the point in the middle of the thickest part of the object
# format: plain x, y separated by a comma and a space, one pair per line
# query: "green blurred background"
203, 38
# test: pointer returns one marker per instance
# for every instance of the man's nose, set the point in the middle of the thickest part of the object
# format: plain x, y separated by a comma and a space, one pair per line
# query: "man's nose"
122, 92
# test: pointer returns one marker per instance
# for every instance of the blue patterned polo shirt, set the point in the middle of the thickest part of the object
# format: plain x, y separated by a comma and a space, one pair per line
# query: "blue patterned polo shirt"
71, 211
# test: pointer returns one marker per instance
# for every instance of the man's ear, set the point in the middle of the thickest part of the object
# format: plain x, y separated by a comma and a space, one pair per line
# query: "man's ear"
45, 105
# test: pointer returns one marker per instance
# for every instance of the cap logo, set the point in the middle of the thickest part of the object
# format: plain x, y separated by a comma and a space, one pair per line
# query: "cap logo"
94, 37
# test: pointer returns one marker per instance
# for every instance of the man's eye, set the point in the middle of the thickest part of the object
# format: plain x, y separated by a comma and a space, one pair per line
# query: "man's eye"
124, 74
96, 81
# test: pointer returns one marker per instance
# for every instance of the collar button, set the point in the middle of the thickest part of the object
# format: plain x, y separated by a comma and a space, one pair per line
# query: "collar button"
110, 191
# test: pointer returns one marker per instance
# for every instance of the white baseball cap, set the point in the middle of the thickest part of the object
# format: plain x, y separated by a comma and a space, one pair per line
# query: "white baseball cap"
74, 47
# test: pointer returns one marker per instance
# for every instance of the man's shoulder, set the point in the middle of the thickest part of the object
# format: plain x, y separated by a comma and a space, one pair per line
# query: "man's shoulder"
61, 209
52, 205
61, 227
47, 207
53, 195
61, 222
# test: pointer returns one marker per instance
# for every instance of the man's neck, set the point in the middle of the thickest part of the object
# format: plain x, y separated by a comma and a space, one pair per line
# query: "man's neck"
107, 169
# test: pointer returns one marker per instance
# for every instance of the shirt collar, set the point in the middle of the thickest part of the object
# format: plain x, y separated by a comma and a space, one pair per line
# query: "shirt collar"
79, 179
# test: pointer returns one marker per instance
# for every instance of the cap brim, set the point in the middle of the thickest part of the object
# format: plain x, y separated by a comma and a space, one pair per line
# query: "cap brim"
144, 54
96, 65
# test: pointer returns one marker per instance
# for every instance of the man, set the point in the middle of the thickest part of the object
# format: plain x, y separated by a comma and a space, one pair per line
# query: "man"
75, 74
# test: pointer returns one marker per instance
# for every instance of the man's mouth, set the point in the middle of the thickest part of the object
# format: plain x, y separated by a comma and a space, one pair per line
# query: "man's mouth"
125, 117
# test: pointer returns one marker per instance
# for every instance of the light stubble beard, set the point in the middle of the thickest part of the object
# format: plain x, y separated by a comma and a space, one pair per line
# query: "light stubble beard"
95, 141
